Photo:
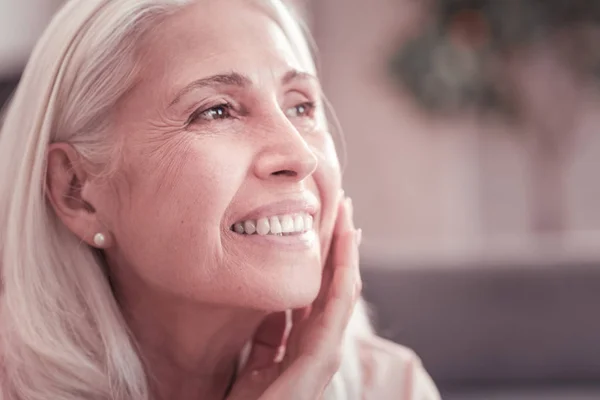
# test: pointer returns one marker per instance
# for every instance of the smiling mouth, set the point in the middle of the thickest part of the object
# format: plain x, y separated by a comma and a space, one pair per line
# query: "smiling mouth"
284, 225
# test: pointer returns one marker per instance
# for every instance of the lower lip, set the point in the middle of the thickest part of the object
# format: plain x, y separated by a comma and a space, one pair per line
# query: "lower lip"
301, 241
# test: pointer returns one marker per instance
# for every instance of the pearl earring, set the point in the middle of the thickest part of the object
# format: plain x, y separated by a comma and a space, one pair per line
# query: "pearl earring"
99, 240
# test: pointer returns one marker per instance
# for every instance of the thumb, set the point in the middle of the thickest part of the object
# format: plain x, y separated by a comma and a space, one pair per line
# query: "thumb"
261, 370
268, 342
252, 383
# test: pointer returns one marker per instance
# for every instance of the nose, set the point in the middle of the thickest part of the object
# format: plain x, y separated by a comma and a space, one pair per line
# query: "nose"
285, 154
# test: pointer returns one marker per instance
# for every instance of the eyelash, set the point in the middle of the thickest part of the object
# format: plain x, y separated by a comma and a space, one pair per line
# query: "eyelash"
309, 107
224, 111
203, 113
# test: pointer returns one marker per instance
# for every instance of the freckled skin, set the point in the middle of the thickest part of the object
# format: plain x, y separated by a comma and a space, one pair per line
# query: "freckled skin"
180, 184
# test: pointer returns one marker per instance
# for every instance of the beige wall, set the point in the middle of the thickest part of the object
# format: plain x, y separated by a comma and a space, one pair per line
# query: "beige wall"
419, 186
428, 187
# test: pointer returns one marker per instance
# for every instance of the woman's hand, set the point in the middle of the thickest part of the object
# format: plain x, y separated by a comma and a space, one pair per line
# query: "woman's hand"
314, 344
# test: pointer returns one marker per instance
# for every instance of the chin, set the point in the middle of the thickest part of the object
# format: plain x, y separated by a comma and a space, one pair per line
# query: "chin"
284, 294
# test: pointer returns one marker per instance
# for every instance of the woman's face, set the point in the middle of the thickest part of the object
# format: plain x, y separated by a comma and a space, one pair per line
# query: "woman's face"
223, 136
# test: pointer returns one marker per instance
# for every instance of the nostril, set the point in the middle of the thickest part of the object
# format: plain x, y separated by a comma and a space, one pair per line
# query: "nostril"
285, 172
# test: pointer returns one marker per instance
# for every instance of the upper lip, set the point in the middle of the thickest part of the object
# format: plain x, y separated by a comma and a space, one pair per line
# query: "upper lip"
302, 203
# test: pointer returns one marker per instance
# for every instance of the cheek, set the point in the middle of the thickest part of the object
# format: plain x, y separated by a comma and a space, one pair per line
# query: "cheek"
328, 179
175, 209
328, 174
193, 176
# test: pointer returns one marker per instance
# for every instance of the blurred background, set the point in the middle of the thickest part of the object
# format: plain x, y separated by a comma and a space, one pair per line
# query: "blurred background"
471, 129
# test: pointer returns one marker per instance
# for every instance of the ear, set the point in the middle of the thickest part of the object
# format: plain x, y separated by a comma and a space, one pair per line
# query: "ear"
66, 178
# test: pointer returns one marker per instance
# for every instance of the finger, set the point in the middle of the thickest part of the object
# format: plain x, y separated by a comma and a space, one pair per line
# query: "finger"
342, 251
342, 254
301, 314
358, 242
322, 332
331, 315
346, 273
253, 383
315, 321
325, 329
358, 239
267, 341
329, 266
300, 317
346, 285
351, 209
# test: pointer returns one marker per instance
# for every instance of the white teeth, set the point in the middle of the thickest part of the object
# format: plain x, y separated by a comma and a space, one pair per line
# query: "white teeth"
263, 227
276, 225
308, 222
239, 228
287, 224
249, 227
299, 223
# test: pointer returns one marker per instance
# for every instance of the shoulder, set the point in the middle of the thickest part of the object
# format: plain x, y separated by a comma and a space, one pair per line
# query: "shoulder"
393, 372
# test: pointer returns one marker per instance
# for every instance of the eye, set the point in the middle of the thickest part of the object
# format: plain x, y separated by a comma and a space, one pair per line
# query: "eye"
221, 111
305, 109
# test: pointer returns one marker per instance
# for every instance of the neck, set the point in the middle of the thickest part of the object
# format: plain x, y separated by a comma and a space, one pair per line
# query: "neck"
190, 351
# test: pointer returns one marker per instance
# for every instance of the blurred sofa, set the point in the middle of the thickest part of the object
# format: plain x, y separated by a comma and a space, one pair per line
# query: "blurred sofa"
495, 332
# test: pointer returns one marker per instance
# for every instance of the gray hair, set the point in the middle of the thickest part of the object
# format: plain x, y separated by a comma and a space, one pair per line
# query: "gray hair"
62, 332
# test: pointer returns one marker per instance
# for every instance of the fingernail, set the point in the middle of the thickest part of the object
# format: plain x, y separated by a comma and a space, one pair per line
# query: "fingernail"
358, 237
255, 374
351, 212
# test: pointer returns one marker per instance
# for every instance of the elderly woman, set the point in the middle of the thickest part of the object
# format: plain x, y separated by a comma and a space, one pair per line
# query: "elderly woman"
172, 220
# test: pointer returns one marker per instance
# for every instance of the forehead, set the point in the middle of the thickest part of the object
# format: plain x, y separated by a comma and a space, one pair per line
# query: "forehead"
216, 36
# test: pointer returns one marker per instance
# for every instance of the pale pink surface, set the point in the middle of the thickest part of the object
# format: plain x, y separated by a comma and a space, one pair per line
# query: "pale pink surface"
393, 372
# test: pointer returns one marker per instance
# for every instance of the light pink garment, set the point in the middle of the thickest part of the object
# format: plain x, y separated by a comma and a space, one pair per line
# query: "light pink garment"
393, 372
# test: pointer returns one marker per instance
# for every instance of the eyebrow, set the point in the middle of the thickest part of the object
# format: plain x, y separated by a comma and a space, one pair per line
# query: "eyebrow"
238, 80
294, 75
